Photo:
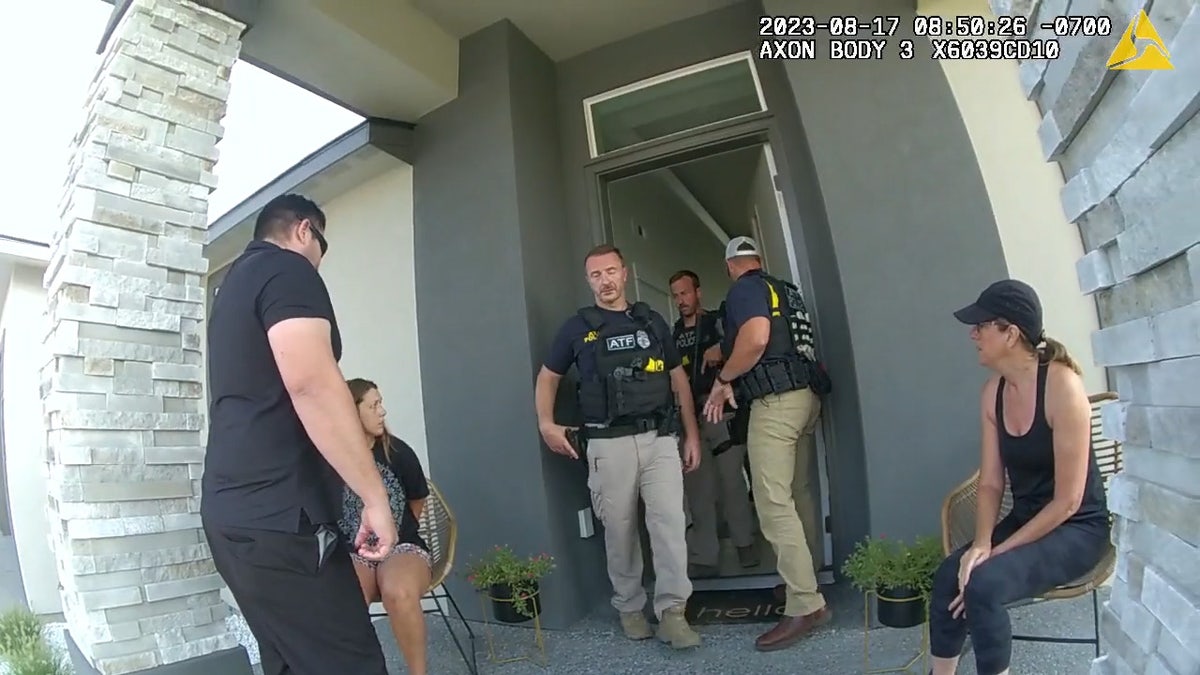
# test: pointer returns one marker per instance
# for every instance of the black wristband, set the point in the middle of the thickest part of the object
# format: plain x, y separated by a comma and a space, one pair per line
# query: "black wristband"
721, 379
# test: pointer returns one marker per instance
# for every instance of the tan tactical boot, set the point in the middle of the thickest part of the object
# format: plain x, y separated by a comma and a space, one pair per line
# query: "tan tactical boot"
635, 625
675, 631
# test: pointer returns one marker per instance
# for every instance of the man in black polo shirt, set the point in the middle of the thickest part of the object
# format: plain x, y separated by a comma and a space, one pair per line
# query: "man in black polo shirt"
282, 429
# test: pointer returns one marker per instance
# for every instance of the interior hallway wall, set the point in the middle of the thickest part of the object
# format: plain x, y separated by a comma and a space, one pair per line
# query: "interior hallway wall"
369, 271
671, 238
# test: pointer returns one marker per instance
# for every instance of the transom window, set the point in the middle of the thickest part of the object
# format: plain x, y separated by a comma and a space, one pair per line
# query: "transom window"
681, 100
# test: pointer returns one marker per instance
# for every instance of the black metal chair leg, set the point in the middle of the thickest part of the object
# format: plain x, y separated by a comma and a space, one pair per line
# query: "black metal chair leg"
1096, 619
472, 660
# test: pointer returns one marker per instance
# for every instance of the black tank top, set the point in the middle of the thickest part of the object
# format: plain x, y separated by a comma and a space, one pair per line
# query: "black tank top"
1029, 461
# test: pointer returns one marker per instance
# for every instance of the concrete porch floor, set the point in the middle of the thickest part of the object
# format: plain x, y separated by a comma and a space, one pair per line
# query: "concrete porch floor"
595, 646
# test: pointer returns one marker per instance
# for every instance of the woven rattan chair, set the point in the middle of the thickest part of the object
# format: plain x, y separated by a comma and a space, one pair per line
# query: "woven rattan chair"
958, 528
440, 532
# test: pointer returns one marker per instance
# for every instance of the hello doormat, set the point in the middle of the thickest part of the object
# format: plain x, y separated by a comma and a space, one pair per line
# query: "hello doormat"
751, 605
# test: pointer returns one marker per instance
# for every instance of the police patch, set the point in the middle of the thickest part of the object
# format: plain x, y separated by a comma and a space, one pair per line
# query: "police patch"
617, 343
643, 340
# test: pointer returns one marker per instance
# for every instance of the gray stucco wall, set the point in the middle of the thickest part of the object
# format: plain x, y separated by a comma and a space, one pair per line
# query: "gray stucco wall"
492, 286
1129, 146
691, 41
875, 203
914, 236
503, 219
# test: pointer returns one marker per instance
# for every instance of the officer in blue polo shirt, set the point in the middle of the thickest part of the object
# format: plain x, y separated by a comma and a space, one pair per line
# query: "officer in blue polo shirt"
771, 367
629, 381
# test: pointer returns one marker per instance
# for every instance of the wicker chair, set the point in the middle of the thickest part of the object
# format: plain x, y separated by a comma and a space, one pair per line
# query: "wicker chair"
440, 531
958, 528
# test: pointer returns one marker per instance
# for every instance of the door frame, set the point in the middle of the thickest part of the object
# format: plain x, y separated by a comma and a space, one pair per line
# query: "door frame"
758, 129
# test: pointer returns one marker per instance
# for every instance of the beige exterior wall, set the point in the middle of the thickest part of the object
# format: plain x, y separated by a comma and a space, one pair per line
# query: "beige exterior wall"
25, 437
1040, 244
370, 275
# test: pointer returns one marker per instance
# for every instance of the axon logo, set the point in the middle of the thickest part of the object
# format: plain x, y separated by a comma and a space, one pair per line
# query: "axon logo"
618, 343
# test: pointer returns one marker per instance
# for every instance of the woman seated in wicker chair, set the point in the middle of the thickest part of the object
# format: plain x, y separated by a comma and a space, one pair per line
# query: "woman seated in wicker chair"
1036, 422
402, 578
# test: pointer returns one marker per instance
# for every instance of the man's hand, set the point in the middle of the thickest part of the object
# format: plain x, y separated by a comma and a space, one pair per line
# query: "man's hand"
712, 358
555, 436
714, 407
691, 454
377, 534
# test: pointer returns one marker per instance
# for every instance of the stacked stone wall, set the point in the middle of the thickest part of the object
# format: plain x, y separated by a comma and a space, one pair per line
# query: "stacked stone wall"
1128, 142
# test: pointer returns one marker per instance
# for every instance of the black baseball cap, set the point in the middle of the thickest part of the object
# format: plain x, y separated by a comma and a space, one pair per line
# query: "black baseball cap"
1013, 301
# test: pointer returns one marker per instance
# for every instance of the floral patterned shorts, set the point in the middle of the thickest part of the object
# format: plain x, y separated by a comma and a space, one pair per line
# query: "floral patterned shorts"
399, 549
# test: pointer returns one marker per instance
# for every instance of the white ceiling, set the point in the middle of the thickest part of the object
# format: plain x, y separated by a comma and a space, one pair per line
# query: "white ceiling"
565, 28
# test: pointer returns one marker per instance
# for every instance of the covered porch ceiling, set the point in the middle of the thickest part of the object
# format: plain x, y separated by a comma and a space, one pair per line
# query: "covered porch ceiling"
398, 59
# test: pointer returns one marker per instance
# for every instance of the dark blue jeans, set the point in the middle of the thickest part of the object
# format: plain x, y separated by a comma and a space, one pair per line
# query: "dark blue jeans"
1068, 552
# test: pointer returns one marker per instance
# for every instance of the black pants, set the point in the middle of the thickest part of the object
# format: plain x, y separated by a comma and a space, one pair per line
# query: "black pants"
1068, 552
307, 621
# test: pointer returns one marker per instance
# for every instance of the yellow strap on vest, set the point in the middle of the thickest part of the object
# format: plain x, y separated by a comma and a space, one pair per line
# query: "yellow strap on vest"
774, 298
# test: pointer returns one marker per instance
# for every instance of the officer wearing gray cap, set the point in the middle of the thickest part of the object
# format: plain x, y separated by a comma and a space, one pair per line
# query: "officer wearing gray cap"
771, 366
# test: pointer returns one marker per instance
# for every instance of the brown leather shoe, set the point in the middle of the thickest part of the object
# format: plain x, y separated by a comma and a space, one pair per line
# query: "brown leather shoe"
791, 629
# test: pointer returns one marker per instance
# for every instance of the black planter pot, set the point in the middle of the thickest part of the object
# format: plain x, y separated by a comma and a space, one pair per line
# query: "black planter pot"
504, 609
899, 607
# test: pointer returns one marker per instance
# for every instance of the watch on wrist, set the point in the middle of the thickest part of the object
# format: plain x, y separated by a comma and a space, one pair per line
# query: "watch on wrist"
721, 379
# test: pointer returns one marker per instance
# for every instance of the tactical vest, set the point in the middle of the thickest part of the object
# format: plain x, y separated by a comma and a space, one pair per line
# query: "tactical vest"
692, 343
789, 361
631, 385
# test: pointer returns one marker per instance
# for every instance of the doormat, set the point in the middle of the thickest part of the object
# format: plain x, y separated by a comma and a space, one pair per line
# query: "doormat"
750, 605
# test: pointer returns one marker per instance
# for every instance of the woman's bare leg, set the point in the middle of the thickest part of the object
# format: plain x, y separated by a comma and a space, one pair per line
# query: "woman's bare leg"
403, 581
945, 666
367, 580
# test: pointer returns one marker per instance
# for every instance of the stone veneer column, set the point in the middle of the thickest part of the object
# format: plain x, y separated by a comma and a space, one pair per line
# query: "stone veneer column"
1129, 146
123, 385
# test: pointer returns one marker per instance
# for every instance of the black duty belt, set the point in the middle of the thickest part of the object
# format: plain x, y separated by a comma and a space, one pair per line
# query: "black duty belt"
624, 428
771, 377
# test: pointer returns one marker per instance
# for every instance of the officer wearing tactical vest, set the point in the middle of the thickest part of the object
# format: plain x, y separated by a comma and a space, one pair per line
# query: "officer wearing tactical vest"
697, 335
629, 381
771, 367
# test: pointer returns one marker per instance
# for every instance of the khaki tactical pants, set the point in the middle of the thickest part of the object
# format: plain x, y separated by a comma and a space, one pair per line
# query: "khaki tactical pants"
619, 471
781, 448
719, 476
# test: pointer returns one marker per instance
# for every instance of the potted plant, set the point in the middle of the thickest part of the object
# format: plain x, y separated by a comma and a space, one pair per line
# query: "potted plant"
899, 574
510, 582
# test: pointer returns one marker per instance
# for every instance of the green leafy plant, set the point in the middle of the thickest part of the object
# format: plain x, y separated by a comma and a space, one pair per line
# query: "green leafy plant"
886, 564
37, 658
19, 627
501, 567
24, 648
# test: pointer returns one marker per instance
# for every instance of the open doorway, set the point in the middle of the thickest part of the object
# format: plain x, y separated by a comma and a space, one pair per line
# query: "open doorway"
680, 217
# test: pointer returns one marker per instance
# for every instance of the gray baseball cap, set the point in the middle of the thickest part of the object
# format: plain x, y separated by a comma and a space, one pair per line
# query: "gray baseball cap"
740, 246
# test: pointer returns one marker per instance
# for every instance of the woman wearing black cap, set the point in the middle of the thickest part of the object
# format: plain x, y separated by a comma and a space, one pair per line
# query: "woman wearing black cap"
1036, 422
